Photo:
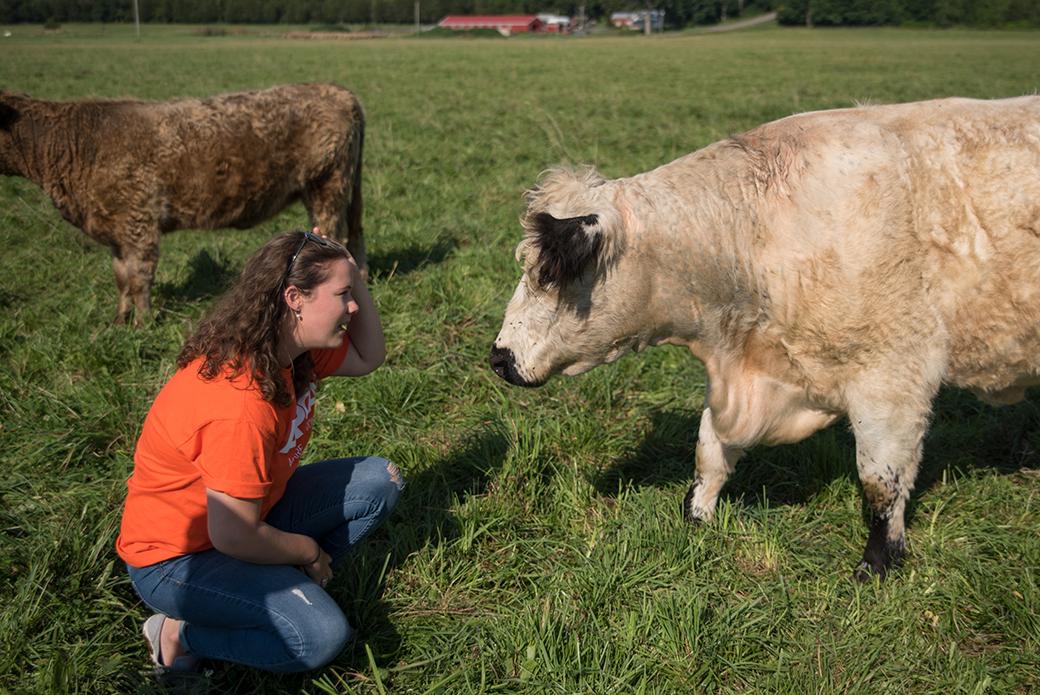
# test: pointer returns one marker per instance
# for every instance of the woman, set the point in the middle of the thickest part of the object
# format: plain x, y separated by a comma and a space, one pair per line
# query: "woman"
222, 535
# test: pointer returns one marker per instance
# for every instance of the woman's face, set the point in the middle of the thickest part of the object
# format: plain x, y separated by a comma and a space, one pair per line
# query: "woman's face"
326, 310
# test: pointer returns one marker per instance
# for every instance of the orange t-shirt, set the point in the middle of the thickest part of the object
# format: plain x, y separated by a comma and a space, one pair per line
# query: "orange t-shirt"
218, 434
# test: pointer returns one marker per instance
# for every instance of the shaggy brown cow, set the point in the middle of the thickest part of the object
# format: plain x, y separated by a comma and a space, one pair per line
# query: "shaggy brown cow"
843, 262
125, 172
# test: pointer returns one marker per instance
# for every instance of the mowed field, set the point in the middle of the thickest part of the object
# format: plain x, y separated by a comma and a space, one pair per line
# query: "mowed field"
539, 546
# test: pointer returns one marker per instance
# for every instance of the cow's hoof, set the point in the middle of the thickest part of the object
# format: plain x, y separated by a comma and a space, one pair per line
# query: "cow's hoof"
865, 574
693, 514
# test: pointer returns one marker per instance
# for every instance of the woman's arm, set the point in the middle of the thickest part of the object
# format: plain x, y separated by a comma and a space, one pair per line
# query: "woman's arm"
367, 345
236, 530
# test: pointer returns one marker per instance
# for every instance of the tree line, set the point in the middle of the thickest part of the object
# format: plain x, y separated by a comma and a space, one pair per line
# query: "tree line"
678, 13
986, 14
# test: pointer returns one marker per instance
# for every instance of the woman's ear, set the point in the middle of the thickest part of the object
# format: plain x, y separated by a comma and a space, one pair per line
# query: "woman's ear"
292, 296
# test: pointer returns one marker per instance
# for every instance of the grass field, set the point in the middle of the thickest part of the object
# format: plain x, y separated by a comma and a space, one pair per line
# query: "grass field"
539, 546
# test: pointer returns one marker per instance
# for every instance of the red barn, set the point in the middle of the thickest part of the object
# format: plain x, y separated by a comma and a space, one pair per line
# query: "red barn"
504, 24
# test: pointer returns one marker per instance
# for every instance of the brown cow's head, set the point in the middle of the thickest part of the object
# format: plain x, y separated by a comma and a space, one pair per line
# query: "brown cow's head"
579, 302
11, 162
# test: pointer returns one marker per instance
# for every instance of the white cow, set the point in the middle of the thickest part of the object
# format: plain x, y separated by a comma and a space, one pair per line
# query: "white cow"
834, 263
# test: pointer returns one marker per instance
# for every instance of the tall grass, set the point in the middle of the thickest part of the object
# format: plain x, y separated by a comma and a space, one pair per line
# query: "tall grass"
538, 547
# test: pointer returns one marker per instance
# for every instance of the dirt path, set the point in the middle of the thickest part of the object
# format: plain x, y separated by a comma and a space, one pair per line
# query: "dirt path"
771, 17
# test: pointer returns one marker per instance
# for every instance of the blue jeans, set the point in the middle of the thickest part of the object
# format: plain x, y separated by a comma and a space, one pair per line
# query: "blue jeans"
274, 617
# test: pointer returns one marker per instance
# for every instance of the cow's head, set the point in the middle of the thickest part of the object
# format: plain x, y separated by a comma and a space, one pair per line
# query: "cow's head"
11, 105
579, 302
10, 113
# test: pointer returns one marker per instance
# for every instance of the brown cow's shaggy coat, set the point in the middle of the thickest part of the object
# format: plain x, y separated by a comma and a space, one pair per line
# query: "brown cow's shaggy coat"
125, 172
843, 262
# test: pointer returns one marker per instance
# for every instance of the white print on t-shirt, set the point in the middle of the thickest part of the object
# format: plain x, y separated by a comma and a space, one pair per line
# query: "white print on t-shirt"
302, 422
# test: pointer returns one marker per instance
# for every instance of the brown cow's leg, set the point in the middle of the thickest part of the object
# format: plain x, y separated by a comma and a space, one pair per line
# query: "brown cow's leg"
138, 269
329, 212
356, 246
124, 306
715, 463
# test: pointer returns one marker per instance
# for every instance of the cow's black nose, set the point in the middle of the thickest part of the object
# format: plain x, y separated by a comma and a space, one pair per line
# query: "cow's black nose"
500, 360
503, 363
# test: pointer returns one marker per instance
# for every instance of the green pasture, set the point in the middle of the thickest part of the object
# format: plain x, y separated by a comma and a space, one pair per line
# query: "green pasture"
538, 547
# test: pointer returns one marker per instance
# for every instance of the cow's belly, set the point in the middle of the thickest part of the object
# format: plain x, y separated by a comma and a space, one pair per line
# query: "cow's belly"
791, 427
994, 343
751, 408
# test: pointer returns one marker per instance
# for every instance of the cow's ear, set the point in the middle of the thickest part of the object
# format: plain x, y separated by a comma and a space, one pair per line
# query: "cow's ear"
8, 116
565, 247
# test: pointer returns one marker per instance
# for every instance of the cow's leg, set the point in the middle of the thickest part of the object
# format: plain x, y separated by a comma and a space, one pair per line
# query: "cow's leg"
356, 246
715, 463
123, 308
889, 436
328, 208
134, 266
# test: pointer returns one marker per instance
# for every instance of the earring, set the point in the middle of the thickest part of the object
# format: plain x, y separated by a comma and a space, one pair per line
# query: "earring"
298, 317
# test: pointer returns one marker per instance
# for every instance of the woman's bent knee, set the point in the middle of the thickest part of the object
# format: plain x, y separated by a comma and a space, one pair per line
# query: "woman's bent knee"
395, 475
319, 642
394, 485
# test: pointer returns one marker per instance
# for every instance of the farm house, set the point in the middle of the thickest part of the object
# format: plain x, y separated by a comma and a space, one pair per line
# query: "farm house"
555, 24
637, 20
505, 24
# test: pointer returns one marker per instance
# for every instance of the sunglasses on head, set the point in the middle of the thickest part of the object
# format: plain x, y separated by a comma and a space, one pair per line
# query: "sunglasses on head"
307, 236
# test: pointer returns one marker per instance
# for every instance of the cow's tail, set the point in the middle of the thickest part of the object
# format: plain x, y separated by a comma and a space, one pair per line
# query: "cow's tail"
356, 206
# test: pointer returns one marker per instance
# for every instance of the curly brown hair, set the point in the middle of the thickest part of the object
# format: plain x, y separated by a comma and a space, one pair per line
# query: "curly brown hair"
242, 332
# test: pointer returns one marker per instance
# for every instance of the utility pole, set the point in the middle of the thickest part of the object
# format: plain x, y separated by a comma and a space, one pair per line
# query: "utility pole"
137, 22
418, 29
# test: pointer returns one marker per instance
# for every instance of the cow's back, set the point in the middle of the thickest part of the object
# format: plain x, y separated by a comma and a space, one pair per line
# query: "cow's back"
238, 159
976, 171
897, 229
973, 174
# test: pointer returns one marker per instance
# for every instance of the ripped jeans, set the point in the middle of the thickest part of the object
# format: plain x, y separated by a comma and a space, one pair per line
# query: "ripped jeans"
273, 617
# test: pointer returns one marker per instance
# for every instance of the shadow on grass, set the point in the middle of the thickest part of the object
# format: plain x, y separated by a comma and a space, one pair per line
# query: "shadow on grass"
410, 258
207, 278
424, 511
422, 518
8, 299
784, 475
966, 436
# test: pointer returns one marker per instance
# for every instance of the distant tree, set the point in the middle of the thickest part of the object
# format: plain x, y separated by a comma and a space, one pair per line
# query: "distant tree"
841, 12
678, 13
943, 13
683, 13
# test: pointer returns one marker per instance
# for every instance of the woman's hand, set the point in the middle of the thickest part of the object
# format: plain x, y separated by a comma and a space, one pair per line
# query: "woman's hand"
350, 256
317, 232
235, 529
319, 570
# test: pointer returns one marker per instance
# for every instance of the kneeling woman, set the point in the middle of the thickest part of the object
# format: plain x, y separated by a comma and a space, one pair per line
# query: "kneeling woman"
224, 534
